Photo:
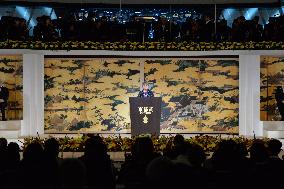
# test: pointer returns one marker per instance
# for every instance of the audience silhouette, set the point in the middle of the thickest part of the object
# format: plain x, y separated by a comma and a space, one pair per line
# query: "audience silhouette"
73, 174
132, 174
181, 165
99, 169
201, 28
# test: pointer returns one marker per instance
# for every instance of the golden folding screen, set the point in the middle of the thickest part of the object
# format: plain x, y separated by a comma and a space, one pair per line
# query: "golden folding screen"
91, 94
11, 74
271, 76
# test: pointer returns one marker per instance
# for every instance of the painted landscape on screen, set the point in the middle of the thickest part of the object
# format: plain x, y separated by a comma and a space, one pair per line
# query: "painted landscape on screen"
92, 94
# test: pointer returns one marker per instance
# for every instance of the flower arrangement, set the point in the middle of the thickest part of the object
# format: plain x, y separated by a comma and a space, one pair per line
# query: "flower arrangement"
141, 46
118, 144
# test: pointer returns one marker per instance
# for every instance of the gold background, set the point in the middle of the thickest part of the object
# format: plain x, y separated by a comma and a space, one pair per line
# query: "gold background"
11, 73
198, 95
271, 76
91, 95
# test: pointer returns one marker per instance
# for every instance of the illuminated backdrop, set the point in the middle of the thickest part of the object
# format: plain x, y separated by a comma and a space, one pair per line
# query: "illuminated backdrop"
271, 76
91, 94
11, 74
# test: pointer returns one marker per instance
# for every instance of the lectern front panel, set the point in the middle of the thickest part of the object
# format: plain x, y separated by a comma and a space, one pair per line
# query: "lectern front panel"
145, 115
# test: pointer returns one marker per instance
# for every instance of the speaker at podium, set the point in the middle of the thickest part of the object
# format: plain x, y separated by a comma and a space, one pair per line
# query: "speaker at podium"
145, 115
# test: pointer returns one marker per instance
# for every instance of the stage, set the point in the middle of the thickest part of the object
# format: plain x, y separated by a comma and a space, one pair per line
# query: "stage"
39, 110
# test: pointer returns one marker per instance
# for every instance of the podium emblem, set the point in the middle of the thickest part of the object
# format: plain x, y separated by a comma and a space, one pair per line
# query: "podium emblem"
145, 119
145, 111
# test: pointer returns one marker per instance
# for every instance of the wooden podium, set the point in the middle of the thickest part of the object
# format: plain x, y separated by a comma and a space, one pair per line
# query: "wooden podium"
145, 115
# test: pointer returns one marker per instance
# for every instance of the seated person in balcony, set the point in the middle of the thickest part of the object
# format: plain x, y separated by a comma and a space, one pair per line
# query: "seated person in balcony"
279, 97
4, 95
45, 29
145, 92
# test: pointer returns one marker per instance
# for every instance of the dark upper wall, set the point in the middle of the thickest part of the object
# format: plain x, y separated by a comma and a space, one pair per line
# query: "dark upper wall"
154, 1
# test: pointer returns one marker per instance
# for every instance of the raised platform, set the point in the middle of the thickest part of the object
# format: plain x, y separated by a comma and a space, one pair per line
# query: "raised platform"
273, 129
12, 130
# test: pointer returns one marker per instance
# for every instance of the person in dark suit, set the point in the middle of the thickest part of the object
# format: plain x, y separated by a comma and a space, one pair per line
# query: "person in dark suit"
4, 95
279, 97
207, 32
145, 92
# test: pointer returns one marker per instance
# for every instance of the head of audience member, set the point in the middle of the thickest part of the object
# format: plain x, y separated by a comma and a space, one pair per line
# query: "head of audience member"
143, 149
3, 144
95, 147
178, 140
258, 151
179, 145
274, 147
51, 147
242, 150
33, 153
40, 20
160, 173
225, 154
242, 19
190, 154
13, 152
47, 21
17, 22
73, 174
196, 155
256, 19
226, 148
23, 23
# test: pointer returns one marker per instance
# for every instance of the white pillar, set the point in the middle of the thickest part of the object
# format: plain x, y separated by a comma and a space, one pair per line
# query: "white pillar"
249, 91
33, 94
